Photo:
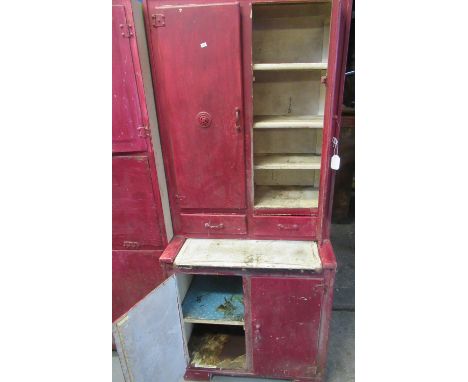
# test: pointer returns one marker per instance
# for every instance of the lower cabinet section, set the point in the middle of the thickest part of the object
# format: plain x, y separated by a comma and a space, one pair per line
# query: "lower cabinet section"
134, 275
242, 324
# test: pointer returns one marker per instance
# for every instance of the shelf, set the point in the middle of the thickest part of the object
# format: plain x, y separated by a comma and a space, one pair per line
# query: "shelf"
285, 197
287, 162
214, 300
292, 66
212, 346
249, 254
288, 122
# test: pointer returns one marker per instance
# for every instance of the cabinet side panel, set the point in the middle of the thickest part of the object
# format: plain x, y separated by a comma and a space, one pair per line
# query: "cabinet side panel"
135, 223
126, 111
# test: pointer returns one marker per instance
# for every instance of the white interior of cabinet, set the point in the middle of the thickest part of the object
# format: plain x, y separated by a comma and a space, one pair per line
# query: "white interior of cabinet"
290, 56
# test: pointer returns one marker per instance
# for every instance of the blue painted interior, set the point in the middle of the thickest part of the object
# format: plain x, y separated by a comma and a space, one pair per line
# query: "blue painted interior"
217, 298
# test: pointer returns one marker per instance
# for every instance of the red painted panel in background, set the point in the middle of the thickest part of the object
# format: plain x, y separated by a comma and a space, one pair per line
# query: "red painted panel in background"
126, 111
135, 221
134, 275
285, 325
197, 69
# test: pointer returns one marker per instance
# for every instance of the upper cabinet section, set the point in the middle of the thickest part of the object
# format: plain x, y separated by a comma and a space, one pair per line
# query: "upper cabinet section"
196, 57
127, 135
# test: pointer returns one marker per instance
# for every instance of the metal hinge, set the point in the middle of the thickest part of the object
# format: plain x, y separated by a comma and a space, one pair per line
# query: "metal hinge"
143, 131
158, 20
127, 30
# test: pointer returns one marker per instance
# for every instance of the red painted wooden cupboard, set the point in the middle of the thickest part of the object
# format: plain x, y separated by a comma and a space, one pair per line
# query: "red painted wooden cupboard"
248, 97
138, 232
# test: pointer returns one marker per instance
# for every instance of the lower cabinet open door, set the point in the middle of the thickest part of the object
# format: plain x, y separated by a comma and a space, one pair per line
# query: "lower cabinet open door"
149, 337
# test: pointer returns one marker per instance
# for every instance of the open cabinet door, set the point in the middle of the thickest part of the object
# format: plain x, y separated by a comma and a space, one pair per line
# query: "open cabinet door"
149, 337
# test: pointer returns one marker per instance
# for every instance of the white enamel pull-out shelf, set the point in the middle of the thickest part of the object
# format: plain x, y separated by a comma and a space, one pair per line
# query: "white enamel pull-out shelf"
249, 254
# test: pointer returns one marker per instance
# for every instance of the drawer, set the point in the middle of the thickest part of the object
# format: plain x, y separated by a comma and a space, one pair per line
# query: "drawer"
283, 227
211, 224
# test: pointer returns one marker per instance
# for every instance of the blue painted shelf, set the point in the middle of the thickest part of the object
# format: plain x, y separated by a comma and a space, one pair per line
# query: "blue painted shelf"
214, 300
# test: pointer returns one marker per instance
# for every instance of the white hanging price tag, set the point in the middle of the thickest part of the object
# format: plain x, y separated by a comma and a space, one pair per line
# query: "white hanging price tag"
335, 162
335, 159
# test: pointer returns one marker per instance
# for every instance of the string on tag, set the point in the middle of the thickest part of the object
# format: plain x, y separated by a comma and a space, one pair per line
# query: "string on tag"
335, 159
335, 146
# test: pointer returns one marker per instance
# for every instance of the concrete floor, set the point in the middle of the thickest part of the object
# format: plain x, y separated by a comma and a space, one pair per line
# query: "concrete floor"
340, 366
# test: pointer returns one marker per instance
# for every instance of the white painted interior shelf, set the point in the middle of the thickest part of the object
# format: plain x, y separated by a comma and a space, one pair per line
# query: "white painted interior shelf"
248, 254
287, 162
286, 197
286, 121
292, 66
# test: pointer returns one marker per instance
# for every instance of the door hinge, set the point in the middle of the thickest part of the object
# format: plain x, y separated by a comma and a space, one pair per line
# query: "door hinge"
311, 371
127, 30
143, 131
158, 20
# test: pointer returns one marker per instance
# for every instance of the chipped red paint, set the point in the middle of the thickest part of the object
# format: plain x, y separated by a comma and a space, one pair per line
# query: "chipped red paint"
204, 163
137, 217
285, 324
287, 318
209, 171
134, 210
134, 275
126, 109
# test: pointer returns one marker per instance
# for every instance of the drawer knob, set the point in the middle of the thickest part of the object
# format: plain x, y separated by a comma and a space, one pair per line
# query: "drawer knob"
204, 119
288, 227
214, 226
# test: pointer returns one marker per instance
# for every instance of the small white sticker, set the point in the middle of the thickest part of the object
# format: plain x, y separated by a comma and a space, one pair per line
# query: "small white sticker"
203, 45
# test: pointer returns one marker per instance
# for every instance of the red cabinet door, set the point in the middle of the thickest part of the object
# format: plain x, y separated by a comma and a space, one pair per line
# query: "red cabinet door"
126, 111
285, 325
135, 223
134, 275
197, 69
